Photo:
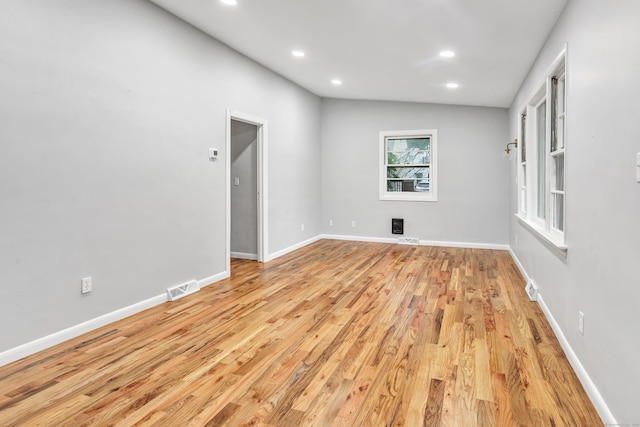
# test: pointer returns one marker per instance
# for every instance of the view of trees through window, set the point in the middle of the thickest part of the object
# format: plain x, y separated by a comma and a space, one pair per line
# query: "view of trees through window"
408, 164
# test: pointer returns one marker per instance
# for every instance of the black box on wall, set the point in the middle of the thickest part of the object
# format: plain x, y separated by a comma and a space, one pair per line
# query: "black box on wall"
397, 225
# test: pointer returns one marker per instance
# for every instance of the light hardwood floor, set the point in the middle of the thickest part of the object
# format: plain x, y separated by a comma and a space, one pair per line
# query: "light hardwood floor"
337, 333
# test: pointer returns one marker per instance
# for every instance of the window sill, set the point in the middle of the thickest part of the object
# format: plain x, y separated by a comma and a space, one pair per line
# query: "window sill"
409, 197
559, 249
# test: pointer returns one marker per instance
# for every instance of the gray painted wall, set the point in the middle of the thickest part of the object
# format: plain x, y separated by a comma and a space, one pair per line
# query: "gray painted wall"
106, 114
603, 199
473, 180
244, 204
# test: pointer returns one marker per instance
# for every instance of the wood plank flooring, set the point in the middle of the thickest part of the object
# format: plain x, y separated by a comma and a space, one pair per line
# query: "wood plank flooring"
334, 334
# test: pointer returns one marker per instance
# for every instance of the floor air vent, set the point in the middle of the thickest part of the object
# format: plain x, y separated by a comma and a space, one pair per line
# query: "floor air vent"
532, 291
409, 241
183, 290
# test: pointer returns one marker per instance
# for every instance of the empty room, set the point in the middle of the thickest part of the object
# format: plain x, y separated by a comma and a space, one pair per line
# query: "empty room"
319, 213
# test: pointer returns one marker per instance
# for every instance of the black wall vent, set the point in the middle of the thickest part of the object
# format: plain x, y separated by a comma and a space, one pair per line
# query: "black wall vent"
397, 225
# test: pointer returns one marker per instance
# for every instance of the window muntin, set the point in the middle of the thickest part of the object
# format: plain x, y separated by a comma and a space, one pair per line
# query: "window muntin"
407, 166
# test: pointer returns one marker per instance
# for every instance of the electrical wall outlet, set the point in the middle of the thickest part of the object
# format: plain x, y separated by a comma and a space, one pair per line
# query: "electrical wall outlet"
87, 286
581, 322
353, 224
331, 222
301, 227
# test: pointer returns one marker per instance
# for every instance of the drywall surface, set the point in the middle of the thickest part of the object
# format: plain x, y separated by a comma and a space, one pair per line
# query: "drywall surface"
244, 188
600, 275
472, 173
107, 112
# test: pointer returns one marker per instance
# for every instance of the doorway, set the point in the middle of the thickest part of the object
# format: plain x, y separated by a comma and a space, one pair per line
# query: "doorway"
246, 187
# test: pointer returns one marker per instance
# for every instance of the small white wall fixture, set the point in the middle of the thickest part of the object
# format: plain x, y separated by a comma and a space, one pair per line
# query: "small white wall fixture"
262, 200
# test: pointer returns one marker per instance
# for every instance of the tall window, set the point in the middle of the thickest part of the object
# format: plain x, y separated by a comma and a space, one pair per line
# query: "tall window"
408, 165
556, 151
542, 157
522, 174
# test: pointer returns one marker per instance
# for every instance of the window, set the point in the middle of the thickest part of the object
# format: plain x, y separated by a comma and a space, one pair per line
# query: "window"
408, 165
522, 173
541, 158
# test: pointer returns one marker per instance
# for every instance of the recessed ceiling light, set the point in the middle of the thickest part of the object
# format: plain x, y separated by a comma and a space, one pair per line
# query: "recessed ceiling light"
336, 82
229, 2
452, 85
298, 53
447, 54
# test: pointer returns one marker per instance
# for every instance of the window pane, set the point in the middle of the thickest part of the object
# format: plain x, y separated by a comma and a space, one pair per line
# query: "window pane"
561, 111
523, 137
553, 144
408, 185
523, 190
407, 172
541, 131
561, 88
416, 151
559, 172
558, 212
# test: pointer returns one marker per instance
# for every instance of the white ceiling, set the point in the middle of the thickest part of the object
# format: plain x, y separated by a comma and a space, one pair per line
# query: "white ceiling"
386, 49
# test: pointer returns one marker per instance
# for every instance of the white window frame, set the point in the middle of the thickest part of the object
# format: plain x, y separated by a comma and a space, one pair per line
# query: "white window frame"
543, 226
426, 196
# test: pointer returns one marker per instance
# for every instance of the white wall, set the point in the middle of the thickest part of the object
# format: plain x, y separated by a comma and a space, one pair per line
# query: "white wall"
244, 205
599, 276
107, 109
472, 174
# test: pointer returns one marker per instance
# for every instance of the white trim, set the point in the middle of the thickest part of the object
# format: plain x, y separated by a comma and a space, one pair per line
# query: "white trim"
213, 279
56, 338
292, 248
360, 238
43, 343
263, 198
592, 391
468, 245
422, 242
244, 255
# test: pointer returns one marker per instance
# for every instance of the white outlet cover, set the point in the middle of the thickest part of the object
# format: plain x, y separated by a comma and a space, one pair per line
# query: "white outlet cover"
86, 285
581, 322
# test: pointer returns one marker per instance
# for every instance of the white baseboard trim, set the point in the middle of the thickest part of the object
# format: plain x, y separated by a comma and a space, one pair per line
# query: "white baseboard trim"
468, 245
292, 248
592, 391
244, 255
359, 238
43, 343
213, 279
422, 242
